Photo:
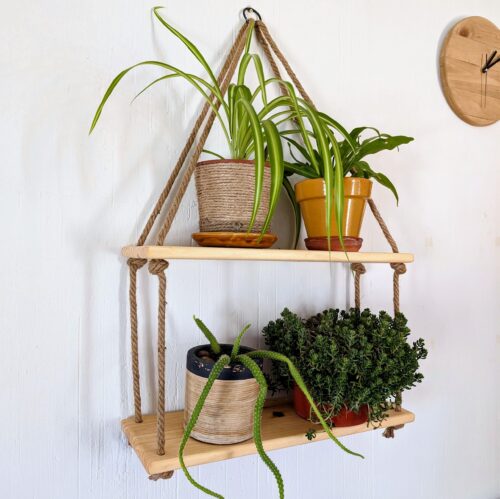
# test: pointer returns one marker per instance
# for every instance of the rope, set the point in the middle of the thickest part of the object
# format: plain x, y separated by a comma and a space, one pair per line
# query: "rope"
158, 267
134, 265
161, 476
358, 269
263, 34
235, 54
399, 268
259, 27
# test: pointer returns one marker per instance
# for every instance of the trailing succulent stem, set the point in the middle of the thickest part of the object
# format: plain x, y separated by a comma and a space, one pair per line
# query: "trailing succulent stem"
257, 419
266, 354
222, 362
214, 344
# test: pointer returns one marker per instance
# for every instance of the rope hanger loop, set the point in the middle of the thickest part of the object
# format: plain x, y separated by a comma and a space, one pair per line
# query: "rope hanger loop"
254, 13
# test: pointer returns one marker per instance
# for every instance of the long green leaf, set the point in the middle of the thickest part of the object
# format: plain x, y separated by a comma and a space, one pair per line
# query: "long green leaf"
259, 156
321, 132
296, 210
381, 144
337, 126
300, 169
307, 109
338, 188
163, 65
213, 154
259, 70
191, 47
383, 180
275, 150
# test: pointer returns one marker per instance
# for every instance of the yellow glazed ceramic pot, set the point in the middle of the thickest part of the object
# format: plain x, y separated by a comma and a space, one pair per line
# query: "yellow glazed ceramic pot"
310, 194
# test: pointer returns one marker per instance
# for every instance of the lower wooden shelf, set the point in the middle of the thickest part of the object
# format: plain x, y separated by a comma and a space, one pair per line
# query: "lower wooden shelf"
278, 432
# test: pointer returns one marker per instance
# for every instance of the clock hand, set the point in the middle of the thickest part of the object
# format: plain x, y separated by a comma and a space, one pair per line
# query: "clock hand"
482, 73
488, 61
494, 62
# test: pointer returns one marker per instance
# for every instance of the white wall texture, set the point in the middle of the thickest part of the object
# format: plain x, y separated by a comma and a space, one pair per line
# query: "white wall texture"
69, 202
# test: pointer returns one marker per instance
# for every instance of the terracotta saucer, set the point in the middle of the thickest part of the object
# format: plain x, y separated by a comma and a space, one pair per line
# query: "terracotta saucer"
321, 243
234, 239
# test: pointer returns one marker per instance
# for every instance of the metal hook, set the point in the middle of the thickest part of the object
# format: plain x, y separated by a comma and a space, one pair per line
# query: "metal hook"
251, 10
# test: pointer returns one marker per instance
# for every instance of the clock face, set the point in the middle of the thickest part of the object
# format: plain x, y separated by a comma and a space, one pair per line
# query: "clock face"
470, 70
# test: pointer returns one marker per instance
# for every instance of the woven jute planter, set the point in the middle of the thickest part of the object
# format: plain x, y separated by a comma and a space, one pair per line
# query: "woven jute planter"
225, 190
227, 416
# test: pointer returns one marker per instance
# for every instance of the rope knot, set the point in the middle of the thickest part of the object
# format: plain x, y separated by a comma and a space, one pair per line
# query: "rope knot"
136, 263
399, 268
157, 267
389, 431
359, 268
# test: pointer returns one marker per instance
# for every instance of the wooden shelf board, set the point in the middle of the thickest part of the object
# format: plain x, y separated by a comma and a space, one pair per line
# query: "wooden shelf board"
200, 253
277, 433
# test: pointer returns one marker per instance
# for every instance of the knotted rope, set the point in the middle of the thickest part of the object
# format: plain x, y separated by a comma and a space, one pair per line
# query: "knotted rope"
358, 269
158, 267
134, 265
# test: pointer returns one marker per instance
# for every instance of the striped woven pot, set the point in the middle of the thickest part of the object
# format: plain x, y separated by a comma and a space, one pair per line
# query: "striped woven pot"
225, 190
227, 416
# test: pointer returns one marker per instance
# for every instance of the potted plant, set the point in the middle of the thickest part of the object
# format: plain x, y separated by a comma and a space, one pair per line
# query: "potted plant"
317, 196
353, 363
225, 395
237, 194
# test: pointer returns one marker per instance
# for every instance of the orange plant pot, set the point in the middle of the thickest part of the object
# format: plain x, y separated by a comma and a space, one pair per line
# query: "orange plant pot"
343, 418
310, 194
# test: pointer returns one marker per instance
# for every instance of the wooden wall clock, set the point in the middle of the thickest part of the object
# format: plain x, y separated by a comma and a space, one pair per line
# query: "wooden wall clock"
470, 70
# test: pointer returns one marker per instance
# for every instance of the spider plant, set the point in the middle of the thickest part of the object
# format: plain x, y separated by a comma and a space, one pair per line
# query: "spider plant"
352, 151
251, 132
246, 359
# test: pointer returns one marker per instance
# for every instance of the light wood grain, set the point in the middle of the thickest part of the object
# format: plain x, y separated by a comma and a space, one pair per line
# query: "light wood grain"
462, 56
198, 253
227, 415
277, 433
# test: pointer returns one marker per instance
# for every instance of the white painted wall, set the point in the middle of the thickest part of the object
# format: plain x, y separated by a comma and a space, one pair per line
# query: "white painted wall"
68, 203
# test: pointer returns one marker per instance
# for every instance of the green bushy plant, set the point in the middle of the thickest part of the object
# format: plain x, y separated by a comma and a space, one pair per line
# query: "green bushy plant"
222, 360
347, 359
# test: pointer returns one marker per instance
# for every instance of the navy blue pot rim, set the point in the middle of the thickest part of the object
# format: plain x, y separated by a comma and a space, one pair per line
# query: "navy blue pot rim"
233, 372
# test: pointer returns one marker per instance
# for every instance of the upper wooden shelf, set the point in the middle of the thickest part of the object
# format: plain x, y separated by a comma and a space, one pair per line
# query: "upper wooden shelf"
285, 255
281, 428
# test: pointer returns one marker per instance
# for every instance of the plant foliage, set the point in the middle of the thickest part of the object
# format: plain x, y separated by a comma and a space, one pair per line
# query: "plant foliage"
353, 151
347, 358
248, 118
246, 359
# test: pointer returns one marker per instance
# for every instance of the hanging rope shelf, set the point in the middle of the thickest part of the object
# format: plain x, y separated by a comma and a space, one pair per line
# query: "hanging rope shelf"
156, 438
